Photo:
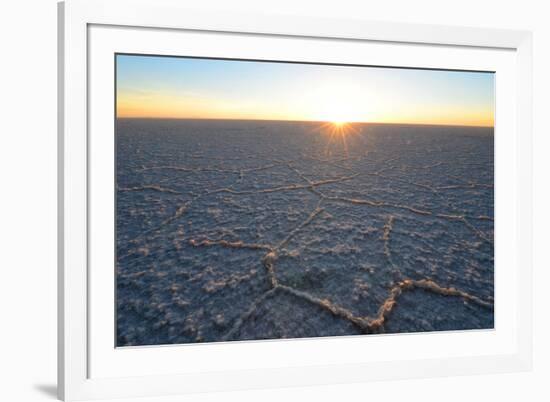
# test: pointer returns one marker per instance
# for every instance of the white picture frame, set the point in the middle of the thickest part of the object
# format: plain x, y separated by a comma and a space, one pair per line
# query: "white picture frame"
84, 26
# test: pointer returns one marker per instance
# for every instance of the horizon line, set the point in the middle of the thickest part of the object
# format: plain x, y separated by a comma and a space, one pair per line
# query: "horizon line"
301, 121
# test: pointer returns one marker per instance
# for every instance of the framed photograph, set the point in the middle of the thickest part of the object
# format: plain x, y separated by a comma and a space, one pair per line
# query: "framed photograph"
253, 201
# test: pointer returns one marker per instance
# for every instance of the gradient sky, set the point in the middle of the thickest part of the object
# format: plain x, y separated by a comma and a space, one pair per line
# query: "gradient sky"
175, 87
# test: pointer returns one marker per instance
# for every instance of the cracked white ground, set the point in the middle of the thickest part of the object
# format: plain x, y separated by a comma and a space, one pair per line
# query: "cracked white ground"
239, 230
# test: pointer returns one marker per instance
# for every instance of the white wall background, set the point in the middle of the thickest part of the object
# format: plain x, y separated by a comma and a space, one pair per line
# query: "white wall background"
28, 198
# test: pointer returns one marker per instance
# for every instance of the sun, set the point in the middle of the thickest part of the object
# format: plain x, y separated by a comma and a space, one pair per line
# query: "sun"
339, 122
338, 115
341, 115
340, 107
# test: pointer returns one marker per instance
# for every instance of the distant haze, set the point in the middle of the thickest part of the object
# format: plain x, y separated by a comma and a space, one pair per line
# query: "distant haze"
179, 87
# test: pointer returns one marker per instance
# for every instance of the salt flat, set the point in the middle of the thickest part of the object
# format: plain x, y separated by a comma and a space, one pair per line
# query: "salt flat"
237, 230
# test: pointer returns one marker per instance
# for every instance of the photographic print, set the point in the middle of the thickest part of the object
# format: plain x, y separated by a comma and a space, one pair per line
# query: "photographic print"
267, 200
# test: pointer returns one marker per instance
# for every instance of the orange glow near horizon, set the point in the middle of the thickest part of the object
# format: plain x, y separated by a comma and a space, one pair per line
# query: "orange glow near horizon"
171, 106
